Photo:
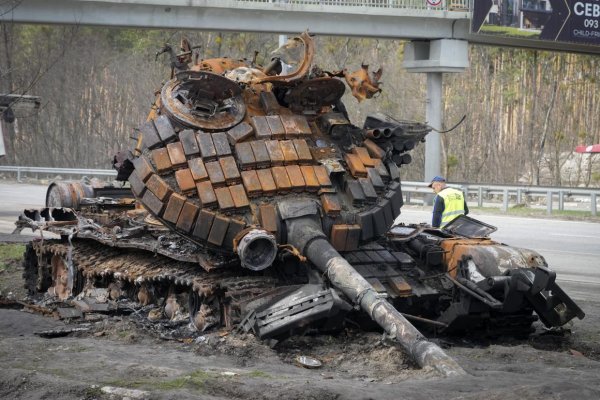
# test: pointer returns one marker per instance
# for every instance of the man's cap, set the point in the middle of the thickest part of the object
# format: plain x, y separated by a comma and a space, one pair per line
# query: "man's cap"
437, 179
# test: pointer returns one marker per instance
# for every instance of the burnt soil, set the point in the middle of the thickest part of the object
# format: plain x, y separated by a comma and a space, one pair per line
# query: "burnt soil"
165, 360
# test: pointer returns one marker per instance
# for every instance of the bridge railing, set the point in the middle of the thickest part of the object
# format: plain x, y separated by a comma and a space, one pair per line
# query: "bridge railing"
442, 5
414, 192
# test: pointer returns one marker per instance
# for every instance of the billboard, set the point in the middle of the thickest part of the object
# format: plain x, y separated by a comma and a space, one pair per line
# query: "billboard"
569, 21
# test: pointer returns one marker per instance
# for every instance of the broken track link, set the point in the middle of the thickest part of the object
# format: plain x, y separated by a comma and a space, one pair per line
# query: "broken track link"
216, 297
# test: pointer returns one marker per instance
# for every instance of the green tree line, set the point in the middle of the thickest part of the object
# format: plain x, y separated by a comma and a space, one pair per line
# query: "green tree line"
526, 110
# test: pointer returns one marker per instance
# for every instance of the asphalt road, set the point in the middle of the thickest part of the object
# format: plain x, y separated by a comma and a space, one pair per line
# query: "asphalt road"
571, 248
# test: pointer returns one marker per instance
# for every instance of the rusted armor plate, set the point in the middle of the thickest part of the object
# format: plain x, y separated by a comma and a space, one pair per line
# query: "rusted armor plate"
230, 170
224, 199
292, 130
266, 181
150, 138
185, 181
159, 187
164, 128
187, 216
374, 150
215, 173
277, 130
238, 194
331, 204
176, 154
162, 160
322, 176
143, 168
207, 147
251, 183
235, 227
269, 103
302, 124
174, 206
275, 152
221, 144
203, 224
363, 155
304, 155
310, 178
353, 237
239, 133
282, 181
338, 237
245, 156
268, 217
357, 168
296, 178
261, 156
198, 169
152, 203
189, 143
206, 194
289, 152
261, 127
136, 184
218, 230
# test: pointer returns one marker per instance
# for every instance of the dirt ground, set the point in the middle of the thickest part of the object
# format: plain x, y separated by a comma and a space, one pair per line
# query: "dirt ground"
125, 356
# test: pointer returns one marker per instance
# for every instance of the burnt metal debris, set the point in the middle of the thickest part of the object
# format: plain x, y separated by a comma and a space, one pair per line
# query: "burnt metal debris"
254, 204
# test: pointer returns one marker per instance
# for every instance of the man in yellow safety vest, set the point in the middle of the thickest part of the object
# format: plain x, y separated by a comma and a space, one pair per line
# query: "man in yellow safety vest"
448, 204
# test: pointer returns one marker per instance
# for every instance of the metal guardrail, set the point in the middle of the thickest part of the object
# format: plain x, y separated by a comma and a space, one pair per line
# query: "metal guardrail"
509, 194
20, 171
516, 195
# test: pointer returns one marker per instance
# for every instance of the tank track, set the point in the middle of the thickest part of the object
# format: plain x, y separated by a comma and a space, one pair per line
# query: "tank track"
216, 298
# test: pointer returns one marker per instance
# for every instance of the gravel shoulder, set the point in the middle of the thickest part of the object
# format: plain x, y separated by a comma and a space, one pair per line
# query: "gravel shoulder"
119, 357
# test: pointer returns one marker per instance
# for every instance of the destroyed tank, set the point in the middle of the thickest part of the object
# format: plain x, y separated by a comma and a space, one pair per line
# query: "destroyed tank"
253, 203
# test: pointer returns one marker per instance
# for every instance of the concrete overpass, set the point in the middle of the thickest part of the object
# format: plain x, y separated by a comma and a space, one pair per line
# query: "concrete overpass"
393, 19
365, 18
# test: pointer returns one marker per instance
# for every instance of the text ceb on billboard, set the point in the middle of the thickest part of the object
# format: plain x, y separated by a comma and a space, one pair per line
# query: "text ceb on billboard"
574, 21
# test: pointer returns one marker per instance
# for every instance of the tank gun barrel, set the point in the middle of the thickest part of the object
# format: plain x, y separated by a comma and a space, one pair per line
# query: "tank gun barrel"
305, 233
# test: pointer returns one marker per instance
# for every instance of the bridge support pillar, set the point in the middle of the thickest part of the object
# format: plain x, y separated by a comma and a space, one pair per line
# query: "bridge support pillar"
434, 58
433, 115
2, 151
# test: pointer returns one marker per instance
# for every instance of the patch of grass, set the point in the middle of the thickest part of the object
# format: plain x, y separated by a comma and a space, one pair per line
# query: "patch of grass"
195, 380
509, 31
129, 384
259, 374
9, 253
93, 392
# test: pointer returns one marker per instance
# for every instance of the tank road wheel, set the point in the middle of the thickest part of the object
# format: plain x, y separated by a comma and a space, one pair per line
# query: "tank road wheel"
205, 311
66, 280
145, 295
